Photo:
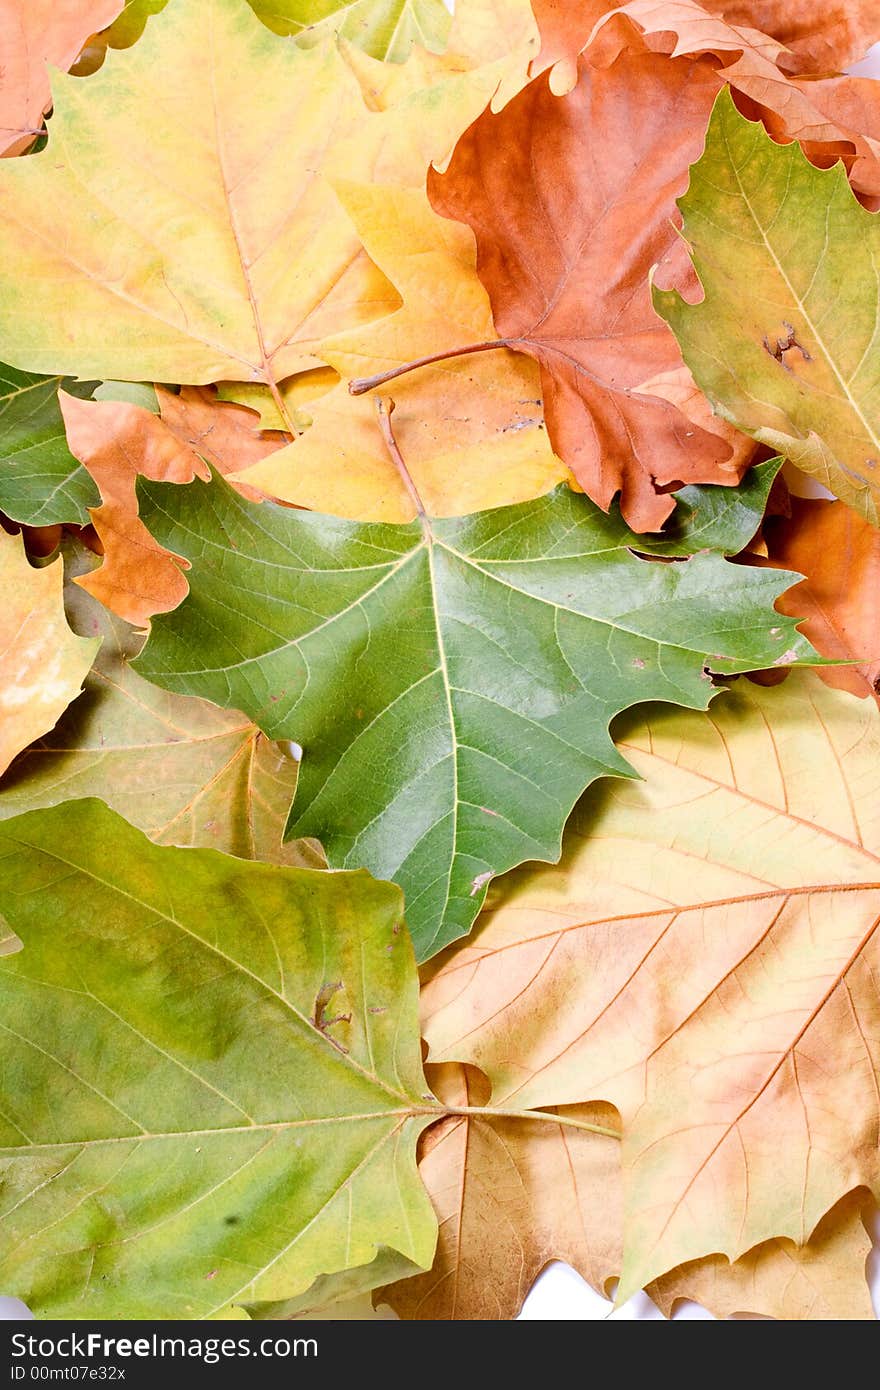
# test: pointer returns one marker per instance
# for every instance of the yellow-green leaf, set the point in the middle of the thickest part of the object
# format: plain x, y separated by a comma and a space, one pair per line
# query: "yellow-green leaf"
212, 1082
177, 227
383, 28
784, 340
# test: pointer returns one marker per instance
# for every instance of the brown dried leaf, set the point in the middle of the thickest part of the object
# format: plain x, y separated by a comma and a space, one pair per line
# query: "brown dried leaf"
510, 1196
823, 38
580, 208
226, 435
117, 443
679, 389
565, 27
822, 1280
704, 957
816, 38
567, 230
839, 554
835, 117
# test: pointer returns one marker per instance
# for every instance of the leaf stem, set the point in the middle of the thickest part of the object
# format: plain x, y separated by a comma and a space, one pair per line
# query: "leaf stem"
384, 411
367, 383
481, 1111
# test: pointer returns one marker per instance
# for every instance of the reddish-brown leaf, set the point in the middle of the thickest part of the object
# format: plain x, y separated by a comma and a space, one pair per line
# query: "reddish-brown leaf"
820, 38
568, 224
564, 27
839, 555
225, 435
34, 33
834, 117
118, 442
580, 206
823, 35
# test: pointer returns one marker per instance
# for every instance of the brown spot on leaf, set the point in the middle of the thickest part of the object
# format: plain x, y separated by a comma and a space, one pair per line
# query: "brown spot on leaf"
785, 345
320, 1019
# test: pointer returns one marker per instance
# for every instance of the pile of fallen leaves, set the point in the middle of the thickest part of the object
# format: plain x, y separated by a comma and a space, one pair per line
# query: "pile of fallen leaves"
391, 476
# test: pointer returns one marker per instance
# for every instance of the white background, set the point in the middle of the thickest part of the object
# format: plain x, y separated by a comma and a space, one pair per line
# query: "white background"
560, 1294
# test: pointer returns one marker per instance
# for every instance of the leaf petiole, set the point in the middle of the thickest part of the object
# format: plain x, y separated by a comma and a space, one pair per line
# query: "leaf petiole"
482, 1111
384, 411
360, 385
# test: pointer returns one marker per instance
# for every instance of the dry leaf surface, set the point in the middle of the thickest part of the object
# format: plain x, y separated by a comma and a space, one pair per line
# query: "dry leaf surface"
567, 230
42, 663
822, 38
839, 555
182, 770
470, 428
823, 1280
817, 39
510, 1196
832, 117
704, 958
119, 442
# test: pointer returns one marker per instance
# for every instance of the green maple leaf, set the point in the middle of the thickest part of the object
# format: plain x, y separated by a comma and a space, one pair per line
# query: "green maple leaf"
451, 683
784, 341
212, 1080
41, 483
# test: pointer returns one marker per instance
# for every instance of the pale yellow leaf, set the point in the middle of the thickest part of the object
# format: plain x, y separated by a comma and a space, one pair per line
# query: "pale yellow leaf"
471, 428
704, 957
42, 663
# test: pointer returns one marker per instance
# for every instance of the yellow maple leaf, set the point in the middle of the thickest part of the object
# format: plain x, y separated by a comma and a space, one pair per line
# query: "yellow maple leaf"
471, 428
178, 226
42, 663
